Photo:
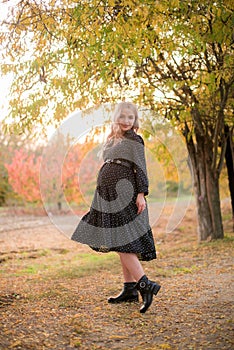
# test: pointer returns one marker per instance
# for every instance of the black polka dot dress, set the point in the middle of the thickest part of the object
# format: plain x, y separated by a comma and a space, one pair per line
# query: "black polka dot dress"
112, 224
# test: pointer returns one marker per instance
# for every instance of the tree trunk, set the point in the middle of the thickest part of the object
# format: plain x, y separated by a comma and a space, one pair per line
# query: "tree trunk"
214, 205
229, 157
206, 188
198, 174
204, 228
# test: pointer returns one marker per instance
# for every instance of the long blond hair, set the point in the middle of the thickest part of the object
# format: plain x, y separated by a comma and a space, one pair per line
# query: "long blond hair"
115, 133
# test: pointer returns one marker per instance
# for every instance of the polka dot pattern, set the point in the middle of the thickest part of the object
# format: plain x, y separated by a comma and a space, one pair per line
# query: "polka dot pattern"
112, 224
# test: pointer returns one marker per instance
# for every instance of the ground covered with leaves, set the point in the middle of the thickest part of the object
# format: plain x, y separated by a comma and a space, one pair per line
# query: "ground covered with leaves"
54, 292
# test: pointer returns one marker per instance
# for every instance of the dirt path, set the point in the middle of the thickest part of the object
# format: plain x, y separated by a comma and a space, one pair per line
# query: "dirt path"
54, 291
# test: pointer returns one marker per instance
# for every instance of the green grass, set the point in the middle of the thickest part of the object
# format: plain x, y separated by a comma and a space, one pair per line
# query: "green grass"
33, 269
227, 216
29, 270
184, 270
228, 239
172, 271
87, 264
51, 265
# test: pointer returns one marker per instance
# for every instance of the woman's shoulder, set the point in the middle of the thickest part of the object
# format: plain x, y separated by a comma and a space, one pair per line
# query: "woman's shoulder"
132, 135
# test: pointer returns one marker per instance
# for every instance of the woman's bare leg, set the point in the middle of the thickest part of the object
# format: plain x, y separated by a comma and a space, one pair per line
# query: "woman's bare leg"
132, 268
126, 273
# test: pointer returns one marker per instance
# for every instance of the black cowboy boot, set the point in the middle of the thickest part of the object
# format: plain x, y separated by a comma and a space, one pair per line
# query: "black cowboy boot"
147, 289
129, 293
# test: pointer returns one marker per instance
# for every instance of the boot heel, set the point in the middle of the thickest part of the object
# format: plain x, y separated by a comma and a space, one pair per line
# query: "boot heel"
156, 289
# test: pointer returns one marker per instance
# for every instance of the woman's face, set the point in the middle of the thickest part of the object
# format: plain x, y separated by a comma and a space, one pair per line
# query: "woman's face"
126, 119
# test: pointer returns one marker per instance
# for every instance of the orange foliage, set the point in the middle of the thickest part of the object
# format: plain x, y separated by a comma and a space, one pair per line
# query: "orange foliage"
23, 175
62, 173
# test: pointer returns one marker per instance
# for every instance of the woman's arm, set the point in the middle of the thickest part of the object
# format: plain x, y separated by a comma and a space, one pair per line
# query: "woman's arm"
140, 170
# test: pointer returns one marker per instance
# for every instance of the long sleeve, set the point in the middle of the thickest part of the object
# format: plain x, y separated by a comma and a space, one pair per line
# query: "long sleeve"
140, 169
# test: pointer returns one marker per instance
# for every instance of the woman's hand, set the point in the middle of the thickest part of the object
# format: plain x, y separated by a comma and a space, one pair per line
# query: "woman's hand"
140, 202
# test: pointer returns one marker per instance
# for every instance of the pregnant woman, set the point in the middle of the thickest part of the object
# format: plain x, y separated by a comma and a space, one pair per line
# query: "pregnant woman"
118, 218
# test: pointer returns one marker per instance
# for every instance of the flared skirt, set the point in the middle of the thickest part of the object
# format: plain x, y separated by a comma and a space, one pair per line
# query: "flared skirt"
112, 224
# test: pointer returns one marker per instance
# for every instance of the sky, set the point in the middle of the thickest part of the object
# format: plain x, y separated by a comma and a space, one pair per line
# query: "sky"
5, 82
